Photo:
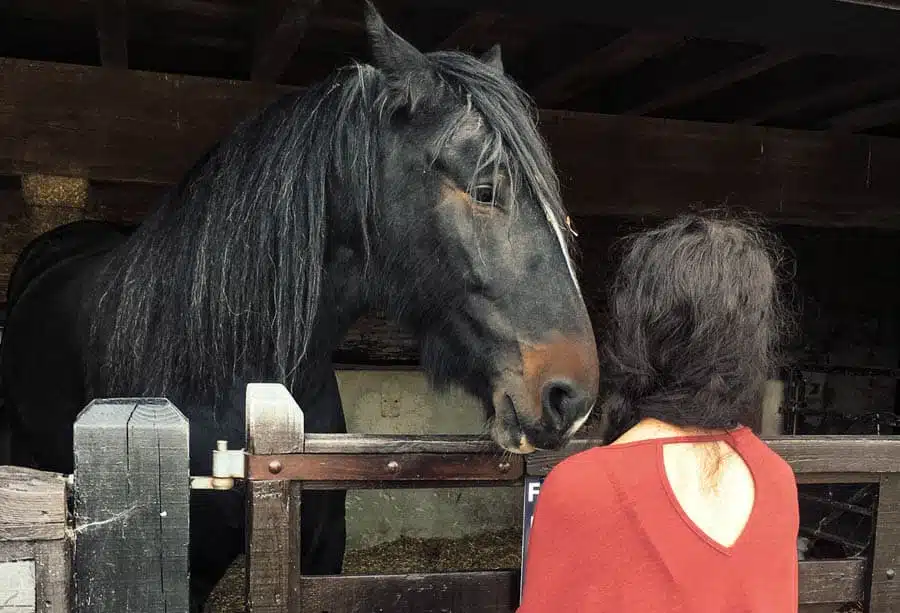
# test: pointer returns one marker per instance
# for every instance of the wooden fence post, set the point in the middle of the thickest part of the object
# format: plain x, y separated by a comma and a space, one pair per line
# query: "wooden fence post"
132, 491
35, 545
274, 426
884, 595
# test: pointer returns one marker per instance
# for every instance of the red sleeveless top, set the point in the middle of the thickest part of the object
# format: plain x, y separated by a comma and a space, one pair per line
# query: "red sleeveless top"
609, 536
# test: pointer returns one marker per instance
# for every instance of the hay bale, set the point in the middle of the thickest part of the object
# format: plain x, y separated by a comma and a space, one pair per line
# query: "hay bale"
47, 190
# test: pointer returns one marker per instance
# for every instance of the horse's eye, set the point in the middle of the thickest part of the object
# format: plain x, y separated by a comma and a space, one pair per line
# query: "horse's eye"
484, 194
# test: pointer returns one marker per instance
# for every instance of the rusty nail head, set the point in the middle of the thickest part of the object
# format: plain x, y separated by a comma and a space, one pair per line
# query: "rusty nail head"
275, 467
890, 573
504, 467
393, 466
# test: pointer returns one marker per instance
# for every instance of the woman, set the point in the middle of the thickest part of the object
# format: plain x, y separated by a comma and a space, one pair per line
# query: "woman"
685, 509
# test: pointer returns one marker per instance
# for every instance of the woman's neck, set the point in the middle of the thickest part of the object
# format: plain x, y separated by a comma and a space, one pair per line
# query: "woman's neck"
650, 428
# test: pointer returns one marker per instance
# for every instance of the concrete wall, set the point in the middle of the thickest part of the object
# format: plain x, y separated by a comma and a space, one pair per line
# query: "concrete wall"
400, 402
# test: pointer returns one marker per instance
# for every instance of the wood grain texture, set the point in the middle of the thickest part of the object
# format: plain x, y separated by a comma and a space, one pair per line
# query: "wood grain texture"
54, 576
458, 468
29, 496
131, 507
469, 592
274, 425
110, 115
151, 127
274, 422
821, 582
884, 594
832, 581
316, 442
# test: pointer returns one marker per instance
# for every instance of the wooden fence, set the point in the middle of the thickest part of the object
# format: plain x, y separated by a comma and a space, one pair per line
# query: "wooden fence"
130, 519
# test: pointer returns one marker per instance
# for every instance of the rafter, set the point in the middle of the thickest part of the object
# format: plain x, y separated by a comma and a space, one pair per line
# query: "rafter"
836, 94
474, 32
734, 74
870, 116
622, 54
283, 24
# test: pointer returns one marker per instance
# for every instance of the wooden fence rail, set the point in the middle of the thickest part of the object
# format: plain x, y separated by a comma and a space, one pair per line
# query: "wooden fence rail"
130, 522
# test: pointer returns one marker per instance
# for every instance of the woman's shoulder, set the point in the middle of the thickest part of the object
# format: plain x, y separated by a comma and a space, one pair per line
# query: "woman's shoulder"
765, 460
597, 467
579, 487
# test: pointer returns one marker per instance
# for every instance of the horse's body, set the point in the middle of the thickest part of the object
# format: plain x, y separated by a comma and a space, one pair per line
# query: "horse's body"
419, 186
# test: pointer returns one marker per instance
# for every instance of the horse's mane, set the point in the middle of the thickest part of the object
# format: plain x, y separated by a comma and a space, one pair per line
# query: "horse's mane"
223, 280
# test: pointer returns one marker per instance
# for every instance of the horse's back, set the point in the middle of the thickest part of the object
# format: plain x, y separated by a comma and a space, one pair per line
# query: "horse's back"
57, 245
41, 359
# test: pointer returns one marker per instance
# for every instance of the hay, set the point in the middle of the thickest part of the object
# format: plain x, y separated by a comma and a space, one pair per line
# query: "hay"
487, 551
46, 190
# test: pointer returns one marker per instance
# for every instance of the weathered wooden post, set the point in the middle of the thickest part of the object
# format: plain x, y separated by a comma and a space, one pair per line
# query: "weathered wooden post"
35, 548
132, 489
274, 426
884, 592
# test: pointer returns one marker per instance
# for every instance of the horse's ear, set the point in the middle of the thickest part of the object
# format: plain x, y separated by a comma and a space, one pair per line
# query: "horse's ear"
392, 53
492, 57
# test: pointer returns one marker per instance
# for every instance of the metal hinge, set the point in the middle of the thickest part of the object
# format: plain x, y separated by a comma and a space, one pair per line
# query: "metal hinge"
227, 465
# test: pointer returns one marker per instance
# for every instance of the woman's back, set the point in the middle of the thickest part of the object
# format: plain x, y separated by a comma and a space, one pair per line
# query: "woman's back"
685, 509
634, 526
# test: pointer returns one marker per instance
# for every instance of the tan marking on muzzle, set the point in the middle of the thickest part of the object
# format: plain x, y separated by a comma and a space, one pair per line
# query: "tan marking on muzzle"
524, 445
563, 358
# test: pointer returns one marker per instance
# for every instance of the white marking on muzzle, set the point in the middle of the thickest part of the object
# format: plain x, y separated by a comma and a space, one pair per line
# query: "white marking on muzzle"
579, 422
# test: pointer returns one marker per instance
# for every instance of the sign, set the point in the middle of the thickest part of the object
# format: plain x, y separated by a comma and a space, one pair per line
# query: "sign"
532, 489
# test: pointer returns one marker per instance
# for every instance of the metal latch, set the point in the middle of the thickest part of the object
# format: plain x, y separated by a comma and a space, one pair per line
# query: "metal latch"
227, 465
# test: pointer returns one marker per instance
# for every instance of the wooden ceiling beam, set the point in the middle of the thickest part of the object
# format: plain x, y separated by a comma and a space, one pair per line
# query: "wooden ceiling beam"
282, 25
473, 33
484, 29
873, 115
819, 26
747, 69
836, 94
136, 126
622, 54
112, 32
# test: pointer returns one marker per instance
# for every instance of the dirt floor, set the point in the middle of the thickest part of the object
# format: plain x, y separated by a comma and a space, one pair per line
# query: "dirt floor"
489, 551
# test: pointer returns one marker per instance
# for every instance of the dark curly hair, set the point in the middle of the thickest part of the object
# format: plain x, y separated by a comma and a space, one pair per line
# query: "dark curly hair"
695, 324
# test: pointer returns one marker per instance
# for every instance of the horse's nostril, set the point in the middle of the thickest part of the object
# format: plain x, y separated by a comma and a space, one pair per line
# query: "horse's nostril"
563, 402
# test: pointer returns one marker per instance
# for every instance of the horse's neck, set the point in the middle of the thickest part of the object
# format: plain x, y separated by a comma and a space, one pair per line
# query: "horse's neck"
341, 302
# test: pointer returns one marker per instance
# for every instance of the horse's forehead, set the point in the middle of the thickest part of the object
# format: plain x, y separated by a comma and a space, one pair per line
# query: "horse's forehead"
467, 125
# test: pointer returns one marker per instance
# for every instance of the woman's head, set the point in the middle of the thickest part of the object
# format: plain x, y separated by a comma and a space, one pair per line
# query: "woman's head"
694, 324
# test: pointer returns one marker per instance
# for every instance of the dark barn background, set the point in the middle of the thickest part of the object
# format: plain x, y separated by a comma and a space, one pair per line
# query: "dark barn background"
789, 108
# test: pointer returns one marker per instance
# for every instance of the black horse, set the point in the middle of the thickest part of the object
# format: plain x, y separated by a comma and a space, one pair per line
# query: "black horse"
419, 186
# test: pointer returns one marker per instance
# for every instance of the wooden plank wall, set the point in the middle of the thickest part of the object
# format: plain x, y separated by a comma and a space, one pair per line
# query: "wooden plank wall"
35, 546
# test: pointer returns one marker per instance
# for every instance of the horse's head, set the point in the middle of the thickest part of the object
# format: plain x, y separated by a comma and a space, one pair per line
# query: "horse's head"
470, 244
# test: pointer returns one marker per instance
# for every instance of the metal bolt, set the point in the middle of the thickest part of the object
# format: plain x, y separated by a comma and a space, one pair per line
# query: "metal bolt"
275, 467
890, 573
393, 466
503, 467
